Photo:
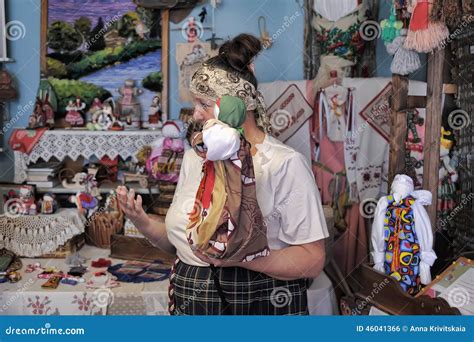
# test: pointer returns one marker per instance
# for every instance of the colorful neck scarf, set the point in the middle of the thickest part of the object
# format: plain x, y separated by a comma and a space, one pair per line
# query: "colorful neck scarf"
402, 249
213, 83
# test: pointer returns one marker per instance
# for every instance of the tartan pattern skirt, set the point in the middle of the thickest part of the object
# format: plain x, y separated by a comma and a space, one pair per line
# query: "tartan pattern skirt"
197, 290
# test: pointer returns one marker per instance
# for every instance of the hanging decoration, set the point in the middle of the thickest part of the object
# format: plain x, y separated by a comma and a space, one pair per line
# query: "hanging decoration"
337, 25
424, 35
404, 61
391, 27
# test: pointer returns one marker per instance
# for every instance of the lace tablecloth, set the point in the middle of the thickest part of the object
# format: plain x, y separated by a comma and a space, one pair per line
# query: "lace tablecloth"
28, 298
37, 235
82, 143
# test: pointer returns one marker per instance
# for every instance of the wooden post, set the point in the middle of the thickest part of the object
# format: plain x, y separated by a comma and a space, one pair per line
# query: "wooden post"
398, 126
165, 32
433, 129
43, 36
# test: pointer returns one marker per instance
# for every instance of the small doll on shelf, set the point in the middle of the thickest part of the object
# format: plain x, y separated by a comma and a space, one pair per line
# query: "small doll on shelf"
48, 112
37, 118
95, 106
154, 113
48, 204
74, 116
402, 238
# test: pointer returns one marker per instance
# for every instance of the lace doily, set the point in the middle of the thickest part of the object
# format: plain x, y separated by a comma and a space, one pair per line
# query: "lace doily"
74, 144
33, 236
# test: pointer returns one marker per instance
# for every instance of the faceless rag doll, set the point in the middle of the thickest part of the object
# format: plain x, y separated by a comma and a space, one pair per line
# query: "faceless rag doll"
226, 221
402, 239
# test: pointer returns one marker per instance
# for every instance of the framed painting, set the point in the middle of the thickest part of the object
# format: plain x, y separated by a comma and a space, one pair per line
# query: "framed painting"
96, 50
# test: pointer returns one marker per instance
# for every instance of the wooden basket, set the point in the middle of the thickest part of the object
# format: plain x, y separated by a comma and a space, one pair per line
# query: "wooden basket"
102, 225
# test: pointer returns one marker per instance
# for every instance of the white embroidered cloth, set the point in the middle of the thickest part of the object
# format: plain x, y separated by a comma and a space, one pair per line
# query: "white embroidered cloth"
81, 143
33, 236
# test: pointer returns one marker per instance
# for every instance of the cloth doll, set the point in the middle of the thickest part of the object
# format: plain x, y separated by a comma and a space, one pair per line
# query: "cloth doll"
402, 239
166, 155
226, 221
424, 35
73, 115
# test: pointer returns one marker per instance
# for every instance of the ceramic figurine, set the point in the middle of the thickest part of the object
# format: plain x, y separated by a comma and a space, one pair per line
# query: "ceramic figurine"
27, 198
48, 204
128, 107
154, 113
102, 120
73, 116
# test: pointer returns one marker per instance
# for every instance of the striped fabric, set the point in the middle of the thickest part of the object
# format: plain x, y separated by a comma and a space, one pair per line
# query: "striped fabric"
193, 291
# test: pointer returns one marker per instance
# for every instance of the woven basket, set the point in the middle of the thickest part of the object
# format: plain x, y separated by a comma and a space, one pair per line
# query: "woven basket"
102, 226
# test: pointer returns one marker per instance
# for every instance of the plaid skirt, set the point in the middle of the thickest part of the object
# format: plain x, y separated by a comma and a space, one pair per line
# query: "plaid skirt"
233, 291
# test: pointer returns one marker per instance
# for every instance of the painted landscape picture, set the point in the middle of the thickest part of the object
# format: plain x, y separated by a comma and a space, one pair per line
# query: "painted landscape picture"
104, 51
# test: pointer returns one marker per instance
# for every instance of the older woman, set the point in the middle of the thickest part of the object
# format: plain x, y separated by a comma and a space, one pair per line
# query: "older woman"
286, 193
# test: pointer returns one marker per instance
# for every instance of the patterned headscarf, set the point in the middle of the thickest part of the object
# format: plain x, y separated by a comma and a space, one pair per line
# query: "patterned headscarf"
212, 83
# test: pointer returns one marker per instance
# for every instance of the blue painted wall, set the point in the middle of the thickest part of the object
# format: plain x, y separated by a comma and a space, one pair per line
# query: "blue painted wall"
284, 21
24, 50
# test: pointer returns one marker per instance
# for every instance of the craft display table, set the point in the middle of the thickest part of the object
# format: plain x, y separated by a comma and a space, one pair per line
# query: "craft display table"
83, 143
27, 297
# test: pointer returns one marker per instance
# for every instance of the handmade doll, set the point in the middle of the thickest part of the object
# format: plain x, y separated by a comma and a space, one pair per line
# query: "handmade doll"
48, 112
128, 107
448, 175
73, 116
37, 118
424, 33
95, 106
164, 161
333, 102
154, 113
402, 239
226, 221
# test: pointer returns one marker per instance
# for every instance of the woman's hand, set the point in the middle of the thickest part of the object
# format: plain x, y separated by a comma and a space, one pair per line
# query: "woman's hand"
131, 207
216, 262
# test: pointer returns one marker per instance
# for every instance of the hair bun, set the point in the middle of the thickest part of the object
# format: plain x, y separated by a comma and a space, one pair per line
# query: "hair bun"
240, 51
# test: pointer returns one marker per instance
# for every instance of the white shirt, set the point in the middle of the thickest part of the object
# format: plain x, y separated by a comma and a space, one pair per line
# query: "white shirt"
286, 193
